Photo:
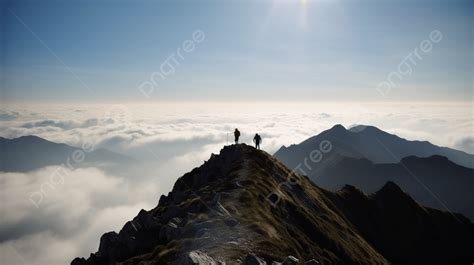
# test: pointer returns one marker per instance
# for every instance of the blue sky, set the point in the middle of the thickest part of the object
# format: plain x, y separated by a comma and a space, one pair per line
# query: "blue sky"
281, 50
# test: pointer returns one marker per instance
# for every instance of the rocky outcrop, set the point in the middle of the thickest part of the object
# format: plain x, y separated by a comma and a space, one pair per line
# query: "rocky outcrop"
253, 260
198, 257
244, 207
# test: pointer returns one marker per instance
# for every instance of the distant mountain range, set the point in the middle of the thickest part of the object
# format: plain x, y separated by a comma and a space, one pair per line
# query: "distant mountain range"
367, 157
28, 153
245, 207
371, 143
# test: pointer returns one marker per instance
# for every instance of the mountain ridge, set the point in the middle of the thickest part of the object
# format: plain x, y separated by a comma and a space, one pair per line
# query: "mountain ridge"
27, 153
367, 157
426, 179
244, 205
372, 143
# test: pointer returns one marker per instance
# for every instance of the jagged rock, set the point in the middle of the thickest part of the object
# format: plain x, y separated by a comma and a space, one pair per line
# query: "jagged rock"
171, 212
203, 232
239, 184
142, 217
169, 232
198, 257
221, 210
107, 242
234, 243
312, 262
290, 260
253, 260
233, 210
173, 225
79, 261
315, 218
231, 222
163, 199
178, 197
176, 221
216, 199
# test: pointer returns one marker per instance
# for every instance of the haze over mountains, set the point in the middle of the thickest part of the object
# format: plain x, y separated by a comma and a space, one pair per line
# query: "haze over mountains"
28, 153
367, 157
372, 143
433, 181
245, 206
106, 105
220, 211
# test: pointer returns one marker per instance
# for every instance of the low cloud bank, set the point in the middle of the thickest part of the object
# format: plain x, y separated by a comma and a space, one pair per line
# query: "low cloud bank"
48, 219
51, 221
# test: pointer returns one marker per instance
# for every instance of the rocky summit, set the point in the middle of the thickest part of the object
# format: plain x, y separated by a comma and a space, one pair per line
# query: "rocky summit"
245, 207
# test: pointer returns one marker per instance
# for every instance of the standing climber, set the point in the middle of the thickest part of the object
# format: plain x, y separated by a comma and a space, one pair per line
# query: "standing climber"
236, 135
257, 140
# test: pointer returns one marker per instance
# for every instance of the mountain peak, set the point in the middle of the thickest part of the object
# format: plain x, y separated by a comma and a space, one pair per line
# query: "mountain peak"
360, 128
31, 137
391, 187
372, 143
394, 196
434, 159
223, 206
239, 149
336, 131
351, 192
244, 202
338, 127
219, 166
26, 138
27, 153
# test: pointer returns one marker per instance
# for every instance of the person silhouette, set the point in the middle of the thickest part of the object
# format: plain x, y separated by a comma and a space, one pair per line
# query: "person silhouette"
257, 140
236, 135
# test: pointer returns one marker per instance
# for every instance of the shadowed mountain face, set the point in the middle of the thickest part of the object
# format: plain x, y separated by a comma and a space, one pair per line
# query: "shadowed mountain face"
371, 143
31, 152
367, 158
243, 205
434, 181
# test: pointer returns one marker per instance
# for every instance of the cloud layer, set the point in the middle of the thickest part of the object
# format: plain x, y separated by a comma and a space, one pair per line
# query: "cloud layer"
63, 215
167, 140
129, 127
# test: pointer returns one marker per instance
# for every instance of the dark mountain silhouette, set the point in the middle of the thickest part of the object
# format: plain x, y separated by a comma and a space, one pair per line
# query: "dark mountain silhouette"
367, 158
244, 206
28, 153
434, 181
371, 143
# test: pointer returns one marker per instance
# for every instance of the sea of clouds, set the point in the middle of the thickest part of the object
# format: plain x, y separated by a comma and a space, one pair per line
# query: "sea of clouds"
167, 140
